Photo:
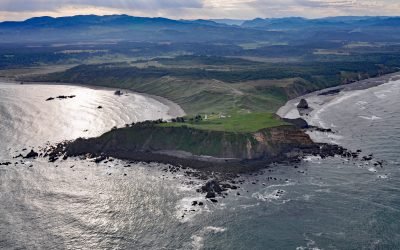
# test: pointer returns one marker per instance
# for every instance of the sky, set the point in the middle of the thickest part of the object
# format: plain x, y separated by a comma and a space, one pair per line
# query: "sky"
198, 9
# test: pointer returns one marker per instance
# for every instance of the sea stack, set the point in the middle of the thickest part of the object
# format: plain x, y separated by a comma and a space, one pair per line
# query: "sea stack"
303, 104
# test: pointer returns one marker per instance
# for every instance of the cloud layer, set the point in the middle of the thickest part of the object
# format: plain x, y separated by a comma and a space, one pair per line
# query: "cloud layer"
239, 9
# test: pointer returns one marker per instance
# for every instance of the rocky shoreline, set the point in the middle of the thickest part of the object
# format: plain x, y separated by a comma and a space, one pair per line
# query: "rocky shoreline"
219, 178
220, 174
233, 153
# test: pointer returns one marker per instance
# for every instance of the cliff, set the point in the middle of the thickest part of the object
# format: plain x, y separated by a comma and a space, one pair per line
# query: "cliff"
194, 147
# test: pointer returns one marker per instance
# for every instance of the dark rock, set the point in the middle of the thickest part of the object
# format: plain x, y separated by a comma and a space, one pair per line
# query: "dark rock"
194, 203
228, 186
214, 200
201, 203
303, 104
50, 99
298, 123
212, 187
118, 92
65, 97
99, 159
210, 195
99, 107
367, 158
31, 154
324, 130
53, 158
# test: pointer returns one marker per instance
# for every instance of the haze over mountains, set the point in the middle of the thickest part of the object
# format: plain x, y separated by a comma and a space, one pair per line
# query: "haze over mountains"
143, 29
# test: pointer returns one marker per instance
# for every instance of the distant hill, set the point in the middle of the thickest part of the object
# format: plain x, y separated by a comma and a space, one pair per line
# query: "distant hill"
338, 22
92, 28
123, 27
229, 21
346, 28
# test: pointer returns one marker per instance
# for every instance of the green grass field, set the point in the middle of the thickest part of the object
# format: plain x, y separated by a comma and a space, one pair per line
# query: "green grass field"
250, 122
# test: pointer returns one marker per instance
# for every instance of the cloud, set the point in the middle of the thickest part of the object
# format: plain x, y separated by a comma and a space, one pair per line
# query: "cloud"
191, 9
53, 5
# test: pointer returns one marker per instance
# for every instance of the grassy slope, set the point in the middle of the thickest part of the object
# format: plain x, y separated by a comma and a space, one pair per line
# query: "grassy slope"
251, 122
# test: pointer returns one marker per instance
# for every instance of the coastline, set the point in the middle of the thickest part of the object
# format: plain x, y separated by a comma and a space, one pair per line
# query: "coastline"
320, 98
232, 164
174, 110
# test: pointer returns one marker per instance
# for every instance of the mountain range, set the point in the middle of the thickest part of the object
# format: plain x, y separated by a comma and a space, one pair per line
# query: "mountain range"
144, 29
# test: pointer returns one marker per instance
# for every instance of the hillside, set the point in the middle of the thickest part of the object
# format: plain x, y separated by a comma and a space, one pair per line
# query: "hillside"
205, 85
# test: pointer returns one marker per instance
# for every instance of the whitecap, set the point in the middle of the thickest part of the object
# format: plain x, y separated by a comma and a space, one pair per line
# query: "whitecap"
215, 229
275, 195
325, 190
249, 206
361, 103
307, 197
186, 204
381, 94
312, 158
198, 239
372, 118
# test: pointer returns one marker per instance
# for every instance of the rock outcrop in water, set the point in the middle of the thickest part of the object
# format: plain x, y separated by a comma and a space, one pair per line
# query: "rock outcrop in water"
31, 154
61, 97
303, 104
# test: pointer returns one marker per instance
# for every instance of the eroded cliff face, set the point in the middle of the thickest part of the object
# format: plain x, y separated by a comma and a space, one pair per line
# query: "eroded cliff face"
279, 140
264, 144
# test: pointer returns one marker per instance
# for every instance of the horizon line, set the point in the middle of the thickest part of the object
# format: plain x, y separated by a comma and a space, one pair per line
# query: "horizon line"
194, 19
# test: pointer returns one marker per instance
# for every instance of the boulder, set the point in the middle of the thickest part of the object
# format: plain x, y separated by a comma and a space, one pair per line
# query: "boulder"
31, 154
212, 186
303, 104
210, 195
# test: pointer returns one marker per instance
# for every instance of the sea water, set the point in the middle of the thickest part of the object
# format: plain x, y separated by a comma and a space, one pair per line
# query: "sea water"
329, 203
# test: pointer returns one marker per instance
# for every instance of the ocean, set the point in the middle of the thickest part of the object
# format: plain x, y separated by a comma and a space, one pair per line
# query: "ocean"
332, 203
